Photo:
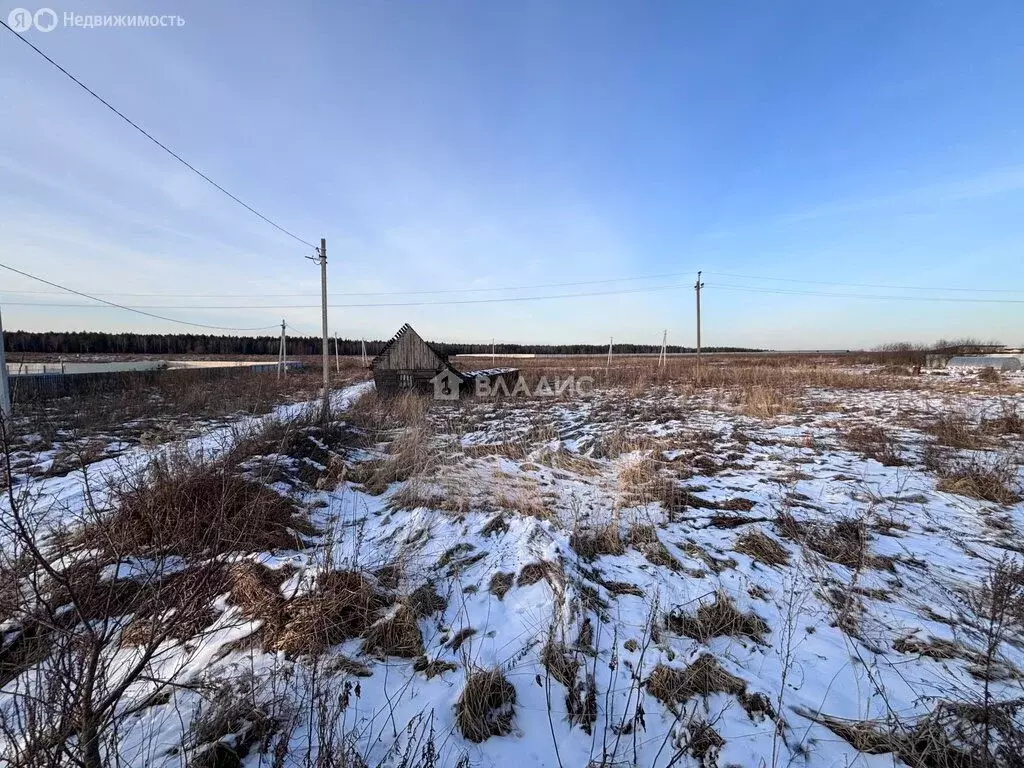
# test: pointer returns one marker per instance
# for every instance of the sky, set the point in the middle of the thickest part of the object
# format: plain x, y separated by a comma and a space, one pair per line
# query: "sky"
454, 151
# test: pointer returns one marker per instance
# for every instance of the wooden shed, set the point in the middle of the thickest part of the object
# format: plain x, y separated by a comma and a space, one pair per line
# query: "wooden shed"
408, 362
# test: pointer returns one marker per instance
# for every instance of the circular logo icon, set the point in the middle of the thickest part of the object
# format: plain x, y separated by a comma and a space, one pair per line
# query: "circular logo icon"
45, 19
20, 20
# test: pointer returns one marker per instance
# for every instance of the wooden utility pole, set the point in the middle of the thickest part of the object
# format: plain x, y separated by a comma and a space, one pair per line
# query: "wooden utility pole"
697, 286
608, 365
5, 383
281, 358
664, 340
337, 357
492, 351
364, 353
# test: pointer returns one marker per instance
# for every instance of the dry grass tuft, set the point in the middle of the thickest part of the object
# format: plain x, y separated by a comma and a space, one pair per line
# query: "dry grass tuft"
644, 538
534, 572
342, 605
397, 635
718, 619
560, 664
190, 508
876, 443
766, 401
932, 647
992, 480
956, 430
673, 686
606, 540
846, 541
256, 589
486, 707
500, 584
460, 637
425, 601
762, 548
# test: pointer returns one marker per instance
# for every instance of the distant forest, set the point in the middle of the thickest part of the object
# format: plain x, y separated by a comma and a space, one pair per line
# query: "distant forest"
98, 343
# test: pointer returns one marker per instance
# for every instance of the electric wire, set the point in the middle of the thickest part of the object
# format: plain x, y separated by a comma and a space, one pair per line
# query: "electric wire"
153, 139
136, 310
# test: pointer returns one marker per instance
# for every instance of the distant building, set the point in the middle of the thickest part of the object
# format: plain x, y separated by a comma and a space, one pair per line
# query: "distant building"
407, 362
998, 362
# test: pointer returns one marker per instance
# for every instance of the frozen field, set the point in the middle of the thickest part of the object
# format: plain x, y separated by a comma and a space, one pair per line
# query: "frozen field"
784, 566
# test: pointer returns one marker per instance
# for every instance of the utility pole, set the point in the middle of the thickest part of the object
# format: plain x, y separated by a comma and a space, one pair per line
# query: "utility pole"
664, 340
321, 257
5, 384
364, 353
608, 365
281, 367
492, 351
696, 287
337, 357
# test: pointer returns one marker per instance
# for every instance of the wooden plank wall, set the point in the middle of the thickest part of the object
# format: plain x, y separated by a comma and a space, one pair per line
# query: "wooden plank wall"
410, 353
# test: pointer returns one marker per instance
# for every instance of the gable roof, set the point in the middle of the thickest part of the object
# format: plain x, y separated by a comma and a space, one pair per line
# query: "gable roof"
406, 328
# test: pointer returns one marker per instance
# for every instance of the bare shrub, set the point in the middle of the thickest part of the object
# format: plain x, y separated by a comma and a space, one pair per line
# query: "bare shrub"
486, 706
718, 619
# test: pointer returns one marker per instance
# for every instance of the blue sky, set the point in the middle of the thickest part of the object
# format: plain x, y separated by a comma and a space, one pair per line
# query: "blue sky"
455, 145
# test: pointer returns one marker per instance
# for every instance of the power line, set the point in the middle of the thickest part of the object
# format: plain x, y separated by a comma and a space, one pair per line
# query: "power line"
156, 141
865, 285
500, 299
382, 293
794, 292
129, 309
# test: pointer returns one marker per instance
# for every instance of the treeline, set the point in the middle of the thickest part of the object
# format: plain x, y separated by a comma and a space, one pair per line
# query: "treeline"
916, 353
100, 343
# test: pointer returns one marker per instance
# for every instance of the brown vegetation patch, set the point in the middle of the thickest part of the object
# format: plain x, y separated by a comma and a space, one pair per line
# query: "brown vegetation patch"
673, 686
460, 637
534, 572
496, 525
956, 430
622, 588
718, 619
932, 647
846, 542
256, 590
433, 668
876, 443
560, 664
589, 543
994, 480
644, 538
398, 635
500, 584
762, 548
342, 605
188, 508
425, 601
486, 707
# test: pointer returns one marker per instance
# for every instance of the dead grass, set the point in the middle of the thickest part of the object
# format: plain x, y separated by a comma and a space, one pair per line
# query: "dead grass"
397, 635
876, 443
847, 541
718, 619
644, 538
191, 507
500, 584
342, 605
590, 543
673, 686
560, 664
762, 548
425, 601
486, 707
460, 637
955, 429
534, 572
992, 479
766, 401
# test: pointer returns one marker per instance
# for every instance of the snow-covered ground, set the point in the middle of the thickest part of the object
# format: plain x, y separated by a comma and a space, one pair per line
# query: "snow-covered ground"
657, 578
